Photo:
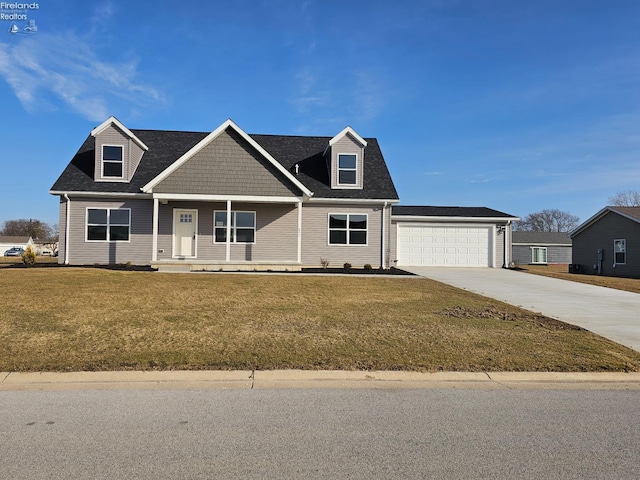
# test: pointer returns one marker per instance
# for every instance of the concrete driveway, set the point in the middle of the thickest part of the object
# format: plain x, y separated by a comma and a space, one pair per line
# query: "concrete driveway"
614, 314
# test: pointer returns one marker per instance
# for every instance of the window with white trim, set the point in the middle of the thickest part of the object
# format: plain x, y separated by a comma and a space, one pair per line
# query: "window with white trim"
347, 168
347, 229
112, 161
620, 251
108, 224
538, 254
243, 227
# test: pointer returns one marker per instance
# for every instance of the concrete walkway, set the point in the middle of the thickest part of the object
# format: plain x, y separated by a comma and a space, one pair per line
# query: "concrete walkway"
614, 314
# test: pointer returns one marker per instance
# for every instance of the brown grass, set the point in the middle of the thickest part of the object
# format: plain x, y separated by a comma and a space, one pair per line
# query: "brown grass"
562, 272
73, 319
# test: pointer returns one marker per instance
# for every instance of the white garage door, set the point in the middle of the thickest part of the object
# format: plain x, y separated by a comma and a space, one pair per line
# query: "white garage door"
437, 245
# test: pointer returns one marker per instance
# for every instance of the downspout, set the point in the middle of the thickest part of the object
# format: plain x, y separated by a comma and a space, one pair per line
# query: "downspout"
66, 229
382, 260
505, 254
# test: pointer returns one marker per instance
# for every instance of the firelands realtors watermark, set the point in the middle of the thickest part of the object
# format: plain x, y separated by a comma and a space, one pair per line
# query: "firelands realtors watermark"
19, 16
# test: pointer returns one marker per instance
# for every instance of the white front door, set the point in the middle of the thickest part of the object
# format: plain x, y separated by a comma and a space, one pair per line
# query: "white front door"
184, 232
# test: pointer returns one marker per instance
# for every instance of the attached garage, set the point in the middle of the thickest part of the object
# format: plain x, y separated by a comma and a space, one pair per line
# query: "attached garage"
451, 236
437, 245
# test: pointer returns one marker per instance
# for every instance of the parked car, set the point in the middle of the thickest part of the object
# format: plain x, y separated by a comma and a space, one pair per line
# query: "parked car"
14, 252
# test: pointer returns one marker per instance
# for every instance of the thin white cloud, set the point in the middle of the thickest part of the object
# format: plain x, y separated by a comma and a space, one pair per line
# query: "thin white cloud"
45, 70
358, 97
102, 14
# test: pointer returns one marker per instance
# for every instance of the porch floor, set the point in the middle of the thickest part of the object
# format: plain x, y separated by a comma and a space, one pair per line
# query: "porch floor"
195, 265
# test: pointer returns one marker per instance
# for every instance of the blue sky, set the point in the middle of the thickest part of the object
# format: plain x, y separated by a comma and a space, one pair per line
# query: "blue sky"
513, 105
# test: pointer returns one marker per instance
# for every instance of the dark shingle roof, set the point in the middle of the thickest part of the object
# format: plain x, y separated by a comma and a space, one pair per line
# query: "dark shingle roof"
432, 211
550, 238
165, 147
632, 212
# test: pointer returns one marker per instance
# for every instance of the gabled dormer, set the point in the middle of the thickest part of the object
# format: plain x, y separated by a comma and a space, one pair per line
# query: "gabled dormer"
345, 158
117, 152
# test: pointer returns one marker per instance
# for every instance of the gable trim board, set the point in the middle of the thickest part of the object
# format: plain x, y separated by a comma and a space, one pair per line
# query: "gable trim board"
194, 172
114, 121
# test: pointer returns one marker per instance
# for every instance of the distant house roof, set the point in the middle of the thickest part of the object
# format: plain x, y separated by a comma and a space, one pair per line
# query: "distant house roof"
463, 212
15, 239
632, 213
165, 147
541, 238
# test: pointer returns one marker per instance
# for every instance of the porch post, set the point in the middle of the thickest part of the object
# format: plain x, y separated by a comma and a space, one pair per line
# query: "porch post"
228, 242
154, 241
300, 232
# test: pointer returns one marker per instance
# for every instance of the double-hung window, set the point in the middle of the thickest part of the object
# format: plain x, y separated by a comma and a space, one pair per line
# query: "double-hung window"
347, 229
620, 251
538, 254
108, 224
112, 161
347, 168
243, 227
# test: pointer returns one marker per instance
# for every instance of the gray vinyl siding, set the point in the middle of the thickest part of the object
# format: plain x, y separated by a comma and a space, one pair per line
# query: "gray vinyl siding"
135, 156
555, 253
137, 250
228, 165
276, 238
347, 145
315, 237
498, 246
131, 153
600, 235
393, 244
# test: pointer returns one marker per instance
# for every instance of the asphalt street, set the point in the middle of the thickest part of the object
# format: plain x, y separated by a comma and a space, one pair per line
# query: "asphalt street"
320, 433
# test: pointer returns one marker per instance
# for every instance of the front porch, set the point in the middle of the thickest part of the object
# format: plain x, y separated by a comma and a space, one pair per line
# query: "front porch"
226, 234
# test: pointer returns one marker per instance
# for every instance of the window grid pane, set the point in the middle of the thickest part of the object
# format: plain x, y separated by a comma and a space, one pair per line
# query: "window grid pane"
108, 224
243, 227
347, 229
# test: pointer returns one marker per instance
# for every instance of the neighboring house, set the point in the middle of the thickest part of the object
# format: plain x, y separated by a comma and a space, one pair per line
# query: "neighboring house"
228, 200
8, 241
609, 243
45, 248
541, 248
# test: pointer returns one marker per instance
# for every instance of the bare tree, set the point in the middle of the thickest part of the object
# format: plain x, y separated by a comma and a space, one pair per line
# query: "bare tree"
29, 228
630, 198
548, 221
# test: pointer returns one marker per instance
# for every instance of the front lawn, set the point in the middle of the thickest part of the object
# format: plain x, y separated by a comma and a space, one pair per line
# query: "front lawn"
72, 319
562, 271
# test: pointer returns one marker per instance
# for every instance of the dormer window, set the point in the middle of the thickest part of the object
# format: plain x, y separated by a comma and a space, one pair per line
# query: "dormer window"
112, 161
347, 168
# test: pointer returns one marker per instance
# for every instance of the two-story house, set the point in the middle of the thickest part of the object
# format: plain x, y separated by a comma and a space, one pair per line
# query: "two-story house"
227, 200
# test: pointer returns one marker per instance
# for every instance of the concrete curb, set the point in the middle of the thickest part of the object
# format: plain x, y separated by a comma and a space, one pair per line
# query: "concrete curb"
246, 379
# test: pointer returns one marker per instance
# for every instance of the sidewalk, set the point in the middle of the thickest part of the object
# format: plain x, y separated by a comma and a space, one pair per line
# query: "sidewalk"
246, 379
